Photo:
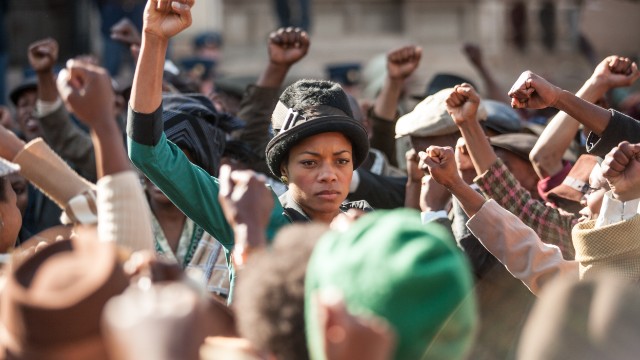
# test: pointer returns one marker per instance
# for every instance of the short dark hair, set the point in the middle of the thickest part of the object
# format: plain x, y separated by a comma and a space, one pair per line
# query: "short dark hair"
269, 300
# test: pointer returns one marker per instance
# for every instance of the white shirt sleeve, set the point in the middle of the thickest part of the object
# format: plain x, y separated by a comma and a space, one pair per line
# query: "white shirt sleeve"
613, 211
45, 108
428, 216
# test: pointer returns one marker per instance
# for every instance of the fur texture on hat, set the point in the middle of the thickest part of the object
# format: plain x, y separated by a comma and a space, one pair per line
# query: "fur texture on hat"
314, 107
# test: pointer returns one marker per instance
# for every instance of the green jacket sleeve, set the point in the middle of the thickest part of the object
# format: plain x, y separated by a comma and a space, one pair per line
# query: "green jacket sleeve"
188, 186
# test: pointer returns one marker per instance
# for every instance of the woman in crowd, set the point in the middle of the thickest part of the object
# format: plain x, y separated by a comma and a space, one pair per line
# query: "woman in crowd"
317, 146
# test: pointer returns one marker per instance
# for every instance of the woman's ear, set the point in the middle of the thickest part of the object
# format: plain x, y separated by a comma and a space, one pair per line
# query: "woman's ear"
283, 170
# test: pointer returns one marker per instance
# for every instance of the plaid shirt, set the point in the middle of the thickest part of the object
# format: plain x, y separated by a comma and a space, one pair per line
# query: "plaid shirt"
552, 226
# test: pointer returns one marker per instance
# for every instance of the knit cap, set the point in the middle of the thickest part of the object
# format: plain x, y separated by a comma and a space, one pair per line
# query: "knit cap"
392, 266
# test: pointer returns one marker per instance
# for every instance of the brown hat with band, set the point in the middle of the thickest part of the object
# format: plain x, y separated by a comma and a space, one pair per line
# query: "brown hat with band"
576, 184
53, 300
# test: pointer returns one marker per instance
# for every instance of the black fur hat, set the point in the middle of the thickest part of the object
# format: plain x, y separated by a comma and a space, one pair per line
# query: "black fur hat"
311, 107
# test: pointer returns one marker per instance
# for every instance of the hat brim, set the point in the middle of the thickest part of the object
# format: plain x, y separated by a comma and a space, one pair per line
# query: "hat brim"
281, 144
29, 84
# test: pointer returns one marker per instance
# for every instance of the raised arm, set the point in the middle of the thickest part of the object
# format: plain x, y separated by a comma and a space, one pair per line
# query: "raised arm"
463, 104
123, 213
401, 63
162, 20
514, 244
64, 137
497, 182
556, 138
533, 91
194, 192
286, 47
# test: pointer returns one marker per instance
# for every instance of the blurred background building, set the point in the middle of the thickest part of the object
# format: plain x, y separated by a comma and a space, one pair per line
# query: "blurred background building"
559, 38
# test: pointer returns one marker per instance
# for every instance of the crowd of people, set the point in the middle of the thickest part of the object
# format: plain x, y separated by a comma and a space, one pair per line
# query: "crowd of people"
177, 218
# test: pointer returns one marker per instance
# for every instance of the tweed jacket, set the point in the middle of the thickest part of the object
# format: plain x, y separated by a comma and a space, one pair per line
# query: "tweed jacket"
499, 184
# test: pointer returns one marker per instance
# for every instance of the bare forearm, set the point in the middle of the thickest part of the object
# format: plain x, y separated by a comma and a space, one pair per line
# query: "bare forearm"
470, 200
547, 154
146, 93
590, 115
47, 90
109, 148
480, 150
11, 146
273, 76
412, 195
386, 105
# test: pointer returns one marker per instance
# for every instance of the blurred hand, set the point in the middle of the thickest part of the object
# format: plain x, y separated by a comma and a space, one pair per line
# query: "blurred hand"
533, 92
621, 168
344, 220
126, 32
166, 18
352, 337
402, 62
441, 163
414, 173
6, 120
43, 55
287, 46
462, 104
87, 92
615, 71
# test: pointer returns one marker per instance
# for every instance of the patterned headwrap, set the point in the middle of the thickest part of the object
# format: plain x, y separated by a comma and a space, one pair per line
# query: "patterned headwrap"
192, 123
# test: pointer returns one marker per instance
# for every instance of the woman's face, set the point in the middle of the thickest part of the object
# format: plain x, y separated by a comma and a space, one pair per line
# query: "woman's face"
319, 170
11, 218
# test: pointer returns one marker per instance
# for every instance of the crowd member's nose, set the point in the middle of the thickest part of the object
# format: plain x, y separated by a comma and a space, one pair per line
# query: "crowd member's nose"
328, 172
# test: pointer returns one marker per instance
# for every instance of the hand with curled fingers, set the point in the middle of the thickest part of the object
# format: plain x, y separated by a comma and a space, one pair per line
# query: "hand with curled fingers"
441, 163
87, 91
247, 204
352, 337
287, 46
533, 92
43, 55
621, 168
462, 104
166, 18
414, 173
402, 62
126, 32
615, 71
